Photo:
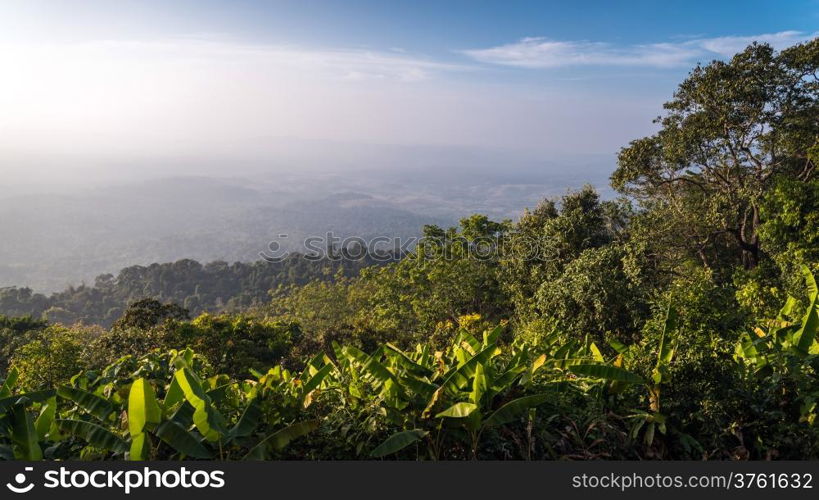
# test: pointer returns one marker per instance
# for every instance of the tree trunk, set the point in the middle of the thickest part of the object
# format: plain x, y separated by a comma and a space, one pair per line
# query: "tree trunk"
749, 238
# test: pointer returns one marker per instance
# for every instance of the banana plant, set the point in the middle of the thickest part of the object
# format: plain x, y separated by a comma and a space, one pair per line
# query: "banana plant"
200, 418
465, 389
618, 378
787, 346
21, 433
784, 335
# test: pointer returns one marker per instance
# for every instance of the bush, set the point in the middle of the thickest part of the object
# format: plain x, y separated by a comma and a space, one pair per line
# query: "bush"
53, 357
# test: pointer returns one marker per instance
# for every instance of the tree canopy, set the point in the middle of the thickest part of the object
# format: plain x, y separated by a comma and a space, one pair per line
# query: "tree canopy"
731, 132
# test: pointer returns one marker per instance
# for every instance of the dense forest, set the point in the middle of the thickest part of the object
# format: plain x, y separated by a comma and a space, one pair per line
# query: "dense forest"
213, 287
677, 321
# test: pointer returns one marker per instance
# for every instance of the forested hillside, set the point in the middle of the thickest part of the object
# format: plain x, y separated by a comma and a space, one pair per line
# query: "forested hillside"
677, 321
212, 287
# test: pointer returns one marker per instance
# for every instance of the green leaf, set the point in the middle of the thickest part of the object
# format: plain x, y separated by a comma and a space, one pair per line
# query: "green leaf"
317, 379
479, 385
94, 435
406, 361
218, 394
606, 372
142, 407
461, 375
787, 311
804, 337
649, 435
281, 438
490, 337
666, 351
470, 340
810, 283
206, 419
8, 384
504, 381
178, 438
250, 419
173, 395
513, 409
47, 415
26, 399
184, 415
420, 387
93, 404
24, 435
398, 442
618, 346
458, 410
355, 354
374, 368
191, 387
596, 354
140, 447
314, 364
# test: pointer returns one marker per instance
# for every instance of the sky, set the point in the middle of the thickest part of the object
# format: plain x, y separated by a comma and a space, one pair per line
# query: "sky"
103, 89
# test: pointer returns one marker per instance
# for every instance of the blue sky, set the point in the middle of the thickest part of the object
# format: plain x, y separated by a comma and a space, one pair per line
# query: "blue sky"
428, 25
200, 77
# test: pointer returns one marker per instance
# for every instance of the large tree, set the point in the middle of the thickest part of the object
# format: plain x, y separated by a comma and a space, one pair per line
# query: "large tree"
730, 132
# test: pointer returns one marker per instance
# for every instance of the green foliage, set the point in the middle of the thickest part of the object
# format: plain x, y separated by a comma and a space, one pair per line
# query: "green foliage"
213, 287
233, 344
146, 313
132, 410
594, 295
52, 357
423, 403
452, 273
238, 343
16, 332
398, 442
731, 130
575, 267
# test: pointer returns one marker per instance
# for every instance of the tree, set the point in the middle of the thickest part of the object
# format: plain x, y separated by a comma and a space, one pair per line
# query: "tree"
16, 332
145, 313
730, 131
54, 356
236, 344
452, 272
790, 233
596, 295
556, 259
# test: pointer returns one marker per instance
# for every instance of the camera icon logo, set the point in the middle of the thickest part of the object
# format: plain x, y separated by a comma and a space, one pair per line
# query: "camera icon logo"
20, 479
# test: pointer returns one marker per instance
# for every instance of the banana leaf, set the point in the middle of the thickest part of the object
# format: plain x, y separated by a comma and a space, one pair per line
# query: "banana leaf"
398, 442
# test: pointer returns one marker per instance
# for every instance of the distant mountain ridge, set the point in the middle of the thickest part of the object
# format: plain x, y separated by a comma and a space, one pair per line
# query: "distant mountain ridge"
213, 287
52, 241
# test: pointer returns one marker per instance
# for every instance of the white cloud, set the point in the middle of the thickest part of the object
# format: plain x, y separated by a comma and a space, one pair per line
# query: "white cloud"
183, 105
191, 93
330, 63
539, 52
729, 45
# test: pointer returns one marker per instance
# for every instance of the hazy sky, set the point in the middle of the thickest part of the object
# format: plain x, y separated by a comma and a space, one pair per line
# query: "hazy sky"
101, 87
